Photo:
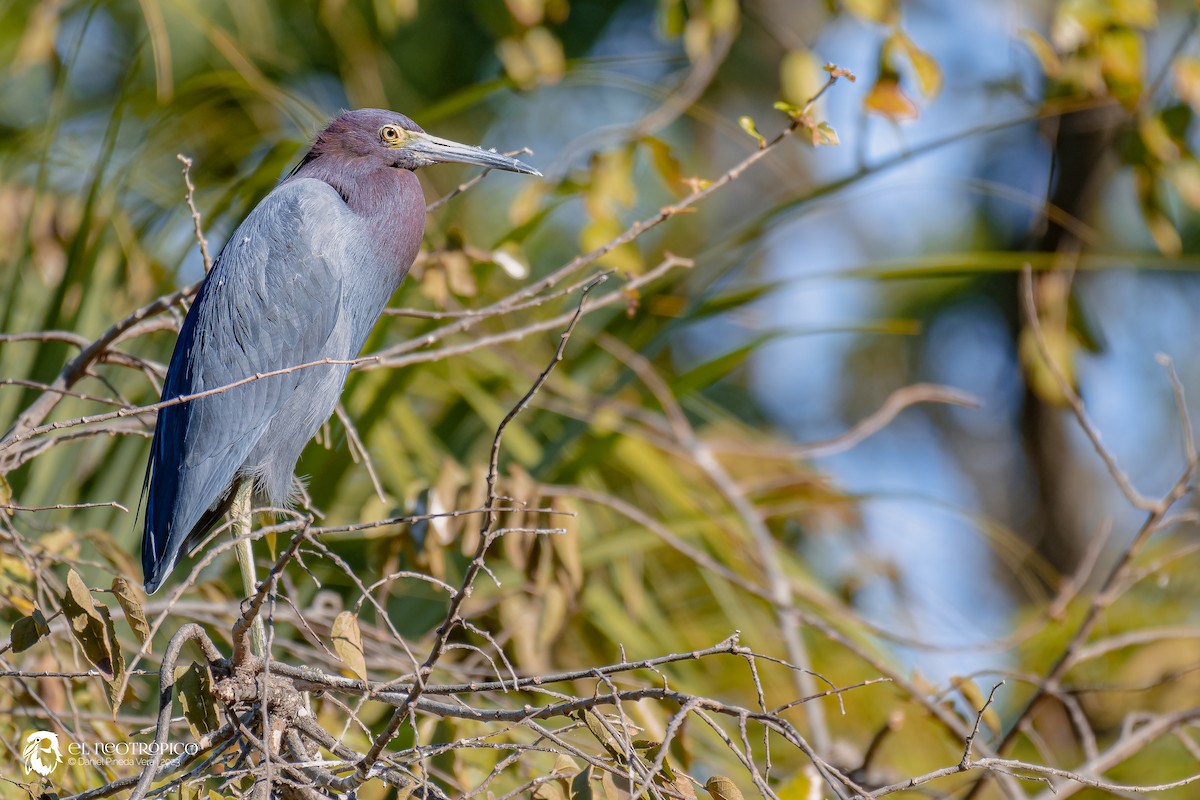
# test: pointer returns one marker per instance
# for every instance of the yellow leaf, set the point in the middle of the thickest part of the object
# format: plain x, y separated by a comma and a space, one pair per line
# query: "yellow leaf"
1061, 345
664, 161
1135, 13
926, 69
888, 99
546, 52
612, 183
1076, 22
130, 599
1121, 61
567, 546
527, 202
873, 10
517, 62
526, 12
1185, 175
1043, 51
600, 232
799, 77
724, 14
697, 38
977, 700
1157, 138
1163, 232
1186, 74
347, 643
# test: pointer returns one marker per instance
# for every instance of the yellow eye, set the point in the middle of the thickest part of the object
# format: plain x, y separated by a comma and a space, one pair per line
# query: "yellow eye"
389, 134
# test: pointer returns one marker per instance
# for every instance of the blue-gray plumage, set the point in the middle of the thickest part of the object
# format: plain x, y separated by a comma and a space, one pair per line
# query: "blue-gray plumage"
303, 278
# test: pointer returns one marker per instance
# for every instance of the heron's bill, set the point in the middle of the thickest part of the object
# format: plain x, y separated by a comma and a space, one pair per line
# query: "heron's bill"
432, 150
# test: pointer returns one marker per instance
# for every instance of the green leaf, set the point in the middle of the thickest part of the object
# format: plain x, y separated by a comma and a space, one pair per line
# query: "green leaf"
194, 688
747, 124
732, 299
581, 785
28, 630
712, 371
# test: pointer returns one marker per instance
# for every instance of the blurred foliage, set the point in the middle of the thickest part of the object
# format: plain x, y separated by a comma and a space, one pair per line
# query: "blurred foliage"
96, 100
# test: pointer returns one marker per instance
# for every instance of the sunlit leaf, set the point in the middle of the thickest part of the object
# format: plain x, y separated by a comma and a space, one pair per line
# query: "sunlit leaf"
1163, 231
1186, 74
1061, 346
1157, 139
977, 700
517, 61
873, 10
926, 69
347, 643
888, 99
1185, 176
664, 161
697, 38
510, 258
824, 134
1121, 62
1043, 51
747, 124
799, 77
546, 52
526, 12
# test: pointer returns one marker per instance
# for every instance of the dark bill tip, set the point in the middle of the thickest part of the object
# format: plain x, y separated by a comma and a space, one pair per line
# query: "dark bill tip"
443, 151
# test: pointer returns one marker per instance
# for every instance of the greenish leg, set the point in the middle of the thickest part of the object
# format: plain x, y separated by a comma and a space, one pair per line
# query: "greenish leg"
240, 511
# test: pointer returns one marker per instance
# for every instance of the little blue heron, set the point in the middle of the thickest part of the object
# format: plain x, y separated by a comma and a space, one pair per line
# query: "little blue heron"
302, 279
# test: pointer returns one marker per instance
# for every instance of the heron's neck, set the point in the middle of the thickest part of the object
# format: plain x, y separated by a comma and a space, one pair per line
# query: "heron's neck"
389, 200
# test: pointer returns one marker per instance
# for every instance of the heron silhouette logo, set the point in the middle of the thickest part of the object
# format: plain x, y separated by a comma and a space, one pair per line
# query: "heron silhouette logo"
41, 753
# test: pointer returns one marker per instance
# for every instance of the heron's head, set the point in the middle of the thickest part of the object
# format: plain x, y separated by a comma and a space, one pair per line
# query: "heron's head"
394, 140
